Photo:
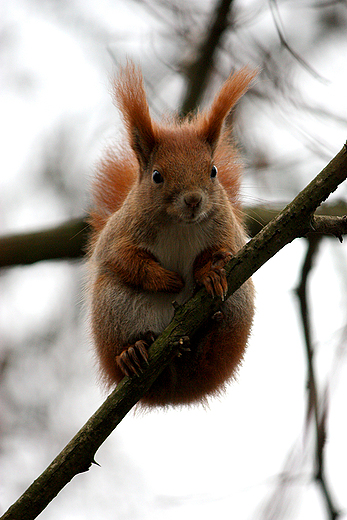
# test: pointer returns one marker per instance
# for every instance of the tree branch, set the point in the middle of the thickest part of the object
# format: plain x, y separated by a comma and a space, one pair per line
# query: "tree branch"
78, 455
336, 226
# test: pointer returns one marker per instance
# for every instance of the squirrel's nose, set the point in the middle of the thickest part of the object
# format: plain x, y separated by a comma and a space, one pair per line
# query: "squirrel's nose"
193, 199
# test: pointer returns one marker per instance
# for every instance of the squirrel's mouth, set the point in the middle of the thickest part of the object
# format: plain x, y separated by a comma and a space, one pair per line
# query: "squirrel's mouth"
193, 216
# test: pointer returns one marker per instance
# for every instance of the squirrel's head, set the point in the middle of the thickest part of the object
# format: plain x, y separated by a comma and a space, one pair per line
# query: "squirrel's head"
179, 162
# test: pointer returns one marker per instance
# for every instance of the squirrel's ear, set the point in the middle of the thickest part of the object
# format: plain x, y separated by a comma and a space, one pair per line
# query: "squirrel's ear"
210, 122
131, 99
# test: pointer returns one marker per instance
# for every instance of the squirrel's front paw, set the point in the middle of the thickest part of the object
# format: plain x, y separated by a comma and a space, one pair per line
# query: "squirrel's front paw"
221, 258
215, 280
131, 359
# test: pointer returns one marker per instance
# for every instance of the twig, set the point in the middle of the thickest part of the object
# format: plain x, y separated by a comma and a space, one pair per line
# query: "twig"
79, 454
283, 40
336, 226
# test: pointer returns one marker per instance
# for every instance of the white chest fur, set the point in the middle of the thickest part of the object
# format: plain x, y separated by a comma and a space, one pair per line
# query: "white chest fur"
176, 250
179, 245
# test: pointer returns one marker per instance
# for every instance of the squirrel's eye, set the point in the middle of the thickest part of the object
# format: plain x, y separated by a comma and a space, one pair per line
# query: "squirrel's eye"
213, 172
157, 177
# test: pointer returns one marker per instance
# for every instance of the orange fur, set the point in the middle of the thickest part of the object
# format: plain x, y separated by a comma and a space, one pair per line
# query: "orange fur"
163, 222
145, 273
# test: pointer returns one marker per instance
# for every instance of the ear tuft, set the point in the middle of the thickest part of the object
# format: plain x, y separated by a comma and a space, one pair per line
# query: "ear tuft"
130, 97
210, 122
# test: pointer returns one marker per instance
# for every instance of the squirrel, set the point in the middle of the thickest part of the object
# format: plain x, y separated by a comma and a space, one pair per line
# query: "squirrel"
166, 220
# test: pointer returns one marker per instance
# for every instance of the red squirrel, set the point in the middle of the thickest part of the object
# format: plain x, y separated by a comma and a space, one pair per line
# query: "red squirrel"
166, 220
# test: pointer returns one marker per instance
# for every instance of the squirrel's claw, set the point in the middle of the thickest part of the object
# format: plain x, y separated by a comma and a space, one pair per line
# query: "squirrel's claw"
215, 281
130, 360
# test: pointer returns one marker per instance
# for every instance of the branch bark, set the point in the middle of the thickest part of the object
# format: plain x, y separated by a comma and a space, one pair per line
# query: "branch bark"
294, 221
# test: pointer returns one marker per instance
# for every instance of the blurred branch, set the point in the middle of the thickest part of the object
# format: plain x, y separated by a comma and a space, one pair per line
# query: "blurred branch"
301, 292
78, 455
198, 72
316, 409
68, 240
277, 21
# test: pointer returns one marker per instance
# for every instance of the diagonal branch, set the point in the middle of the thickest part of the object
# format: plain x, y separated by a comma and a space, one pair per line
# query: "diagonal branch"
294, 221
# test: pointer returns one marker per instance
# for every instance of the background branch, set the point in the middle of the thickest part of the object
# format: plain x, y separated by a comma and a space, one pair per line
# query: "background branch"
78, 455
316, 409
199, 71
68, 240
